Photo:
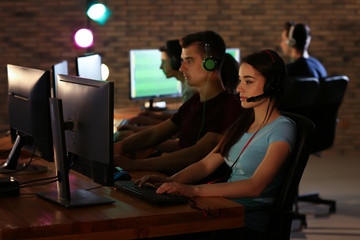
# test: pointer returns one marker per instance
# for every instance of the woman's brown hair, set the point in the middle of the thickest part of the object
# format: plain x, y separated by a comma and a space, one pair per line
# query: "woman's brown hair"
270, 65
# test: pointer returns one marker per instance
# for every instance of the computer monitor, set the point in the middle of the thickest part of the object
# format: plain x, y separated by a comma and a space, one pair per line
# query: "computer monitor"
89, 66
82, 124
29, 91
58, 68
235, 52
147, 80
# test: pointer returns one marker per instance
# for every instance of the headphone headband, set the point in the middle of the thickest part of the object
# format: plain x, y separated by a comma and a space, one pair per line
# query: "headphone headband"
207, 50
209, 64
272, 57
291, 40
272, 87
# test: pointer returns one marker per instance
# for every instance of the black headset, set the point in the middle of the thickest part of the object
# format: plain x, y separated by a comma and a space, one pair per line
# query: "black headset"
272, 87
209, 64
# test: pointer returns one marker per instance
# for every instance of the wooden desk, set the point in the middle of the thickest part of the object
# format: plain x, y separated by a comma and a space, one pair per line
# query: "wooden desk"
130, 112
29, 217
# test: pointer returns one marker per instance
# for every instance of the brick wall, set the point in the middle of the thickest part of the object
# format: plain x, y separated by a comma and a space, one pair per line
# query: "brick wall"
37, 33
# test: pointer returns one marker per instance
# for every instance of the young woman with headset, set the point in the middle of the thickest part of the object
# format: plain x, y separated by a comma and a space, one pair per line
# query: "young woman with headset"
255, 148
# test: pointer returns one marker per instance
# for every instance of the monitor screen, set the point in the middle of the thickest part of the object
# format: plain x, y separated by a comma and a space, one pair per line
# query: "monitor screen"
59, 68
82, 124
29, 91
235, 52
89, 66
147, 80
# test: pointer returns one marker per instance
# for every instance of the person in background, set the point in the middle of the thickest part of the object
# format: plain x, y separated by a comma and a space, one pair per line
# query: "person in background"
295, 40
199, 122
170, 64
256, 148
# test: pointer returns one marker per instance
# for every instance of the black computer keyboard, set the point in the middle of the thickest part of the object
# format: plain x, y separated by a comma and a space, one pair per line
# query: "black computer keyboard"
148, 193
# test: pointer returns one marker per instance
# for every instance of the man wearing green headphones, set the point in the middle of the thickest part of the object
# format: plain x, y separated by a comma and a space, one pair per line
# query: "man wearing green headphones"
199, 122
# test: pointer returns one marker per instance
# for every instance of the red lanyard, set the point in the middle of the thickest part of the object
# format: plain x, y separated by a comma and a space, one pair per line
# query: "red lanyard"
211, 182
244, 148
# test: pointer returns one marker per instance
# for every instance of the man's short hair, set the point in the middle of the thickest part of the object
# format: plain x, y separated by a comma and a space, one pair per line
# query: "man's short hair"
216, 42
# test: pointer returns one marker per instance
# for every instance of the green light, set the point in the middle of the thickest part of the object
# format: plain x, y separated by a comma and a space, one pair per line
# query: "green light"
99, 13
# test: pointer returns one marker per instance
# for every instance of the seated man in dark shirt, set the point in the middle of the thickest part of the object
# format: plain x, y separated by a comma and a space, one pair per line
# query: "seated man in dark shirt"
199, 122
295, 40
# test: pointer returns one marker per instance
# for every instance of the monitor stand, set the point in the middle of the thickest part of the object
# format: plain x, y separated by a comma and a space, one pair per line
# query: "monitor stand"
78, 198
150, 105
11, 166
64, 196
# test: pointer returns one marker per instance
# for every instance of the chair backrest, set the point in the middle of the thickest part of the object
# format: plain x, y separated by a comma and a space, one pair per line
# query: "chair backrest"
301, 96
330, 97
282, 218
332, 89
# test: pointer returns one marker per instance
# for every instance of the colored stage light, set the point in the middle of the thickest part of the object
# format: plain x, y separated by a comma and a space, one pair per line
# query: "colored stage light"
84, 38
99, 13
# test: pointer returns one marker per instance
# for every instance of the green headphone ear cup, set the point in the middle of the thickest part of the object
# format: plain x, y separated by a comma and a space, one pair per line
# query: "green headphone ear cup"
209, 64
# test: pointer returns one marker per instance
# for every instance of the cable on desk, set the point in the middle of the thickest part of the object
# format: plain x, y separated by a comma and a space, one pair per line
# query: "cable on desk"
206, 212
40, 179
25, 165
15, 189
55, 179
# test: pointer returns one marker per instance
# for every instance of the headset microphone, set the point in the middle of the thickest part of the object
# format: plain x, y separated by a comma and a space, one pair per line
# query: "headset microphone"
256, 98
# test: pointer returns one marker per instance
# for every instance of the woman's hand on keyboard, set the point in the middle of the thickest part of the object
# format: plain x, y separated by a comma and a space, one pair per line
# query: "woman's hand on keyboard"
178, 189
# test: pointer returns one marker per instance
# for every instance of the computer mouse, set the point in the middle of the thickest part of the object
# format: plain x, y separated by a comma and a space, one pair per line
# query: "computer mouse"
122, 176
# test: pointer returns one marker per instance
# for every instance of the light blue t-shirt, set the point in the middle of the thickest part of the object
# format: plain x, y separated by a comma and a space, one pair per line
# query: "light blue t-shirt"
281, 129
